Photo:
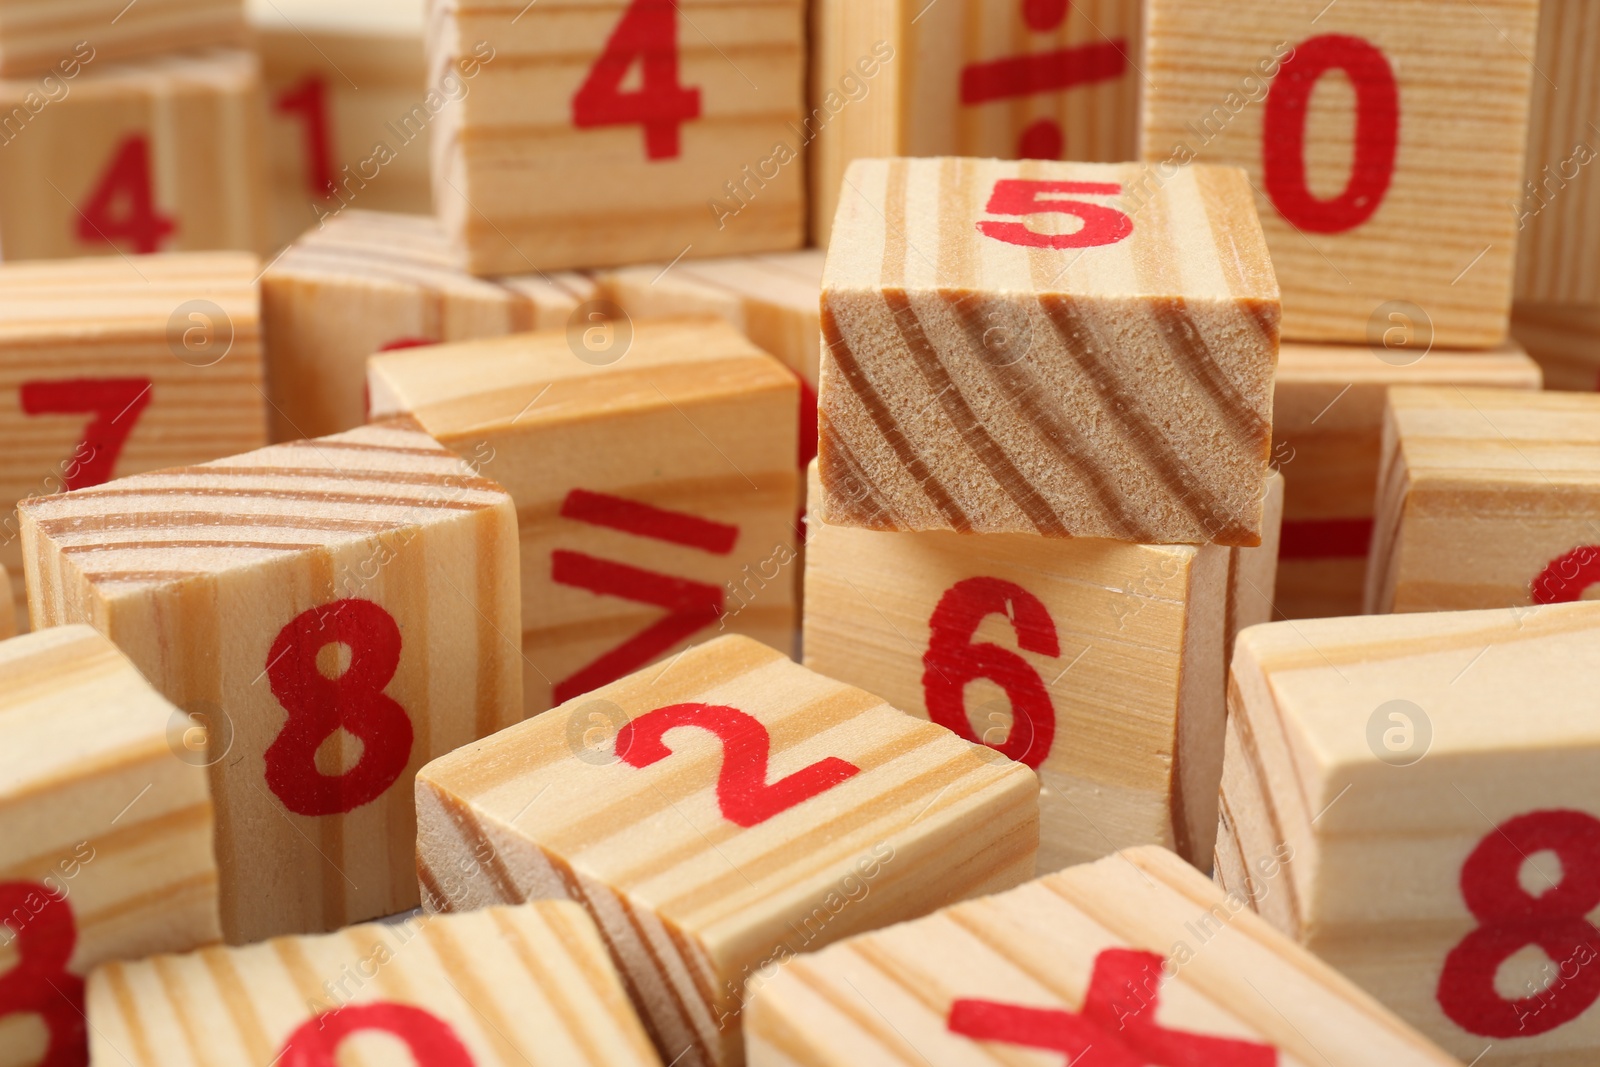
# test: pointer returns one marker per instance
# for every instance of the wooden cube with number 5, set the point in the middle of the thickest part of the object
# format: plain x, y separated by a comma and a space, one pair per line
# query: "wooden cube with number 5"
341, 610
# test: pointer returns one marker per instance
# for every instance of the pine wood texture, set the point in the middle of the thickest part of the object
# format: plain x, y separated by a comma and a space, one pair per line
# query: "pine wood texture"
1327, 430
368, 281
228, 583
1253, 572
111, 367
548, 165
1486, 498
13, 609
1136, 959
503, 987
974, 378
1097, 663
1420, 803
37, 34
1411, 209
1565, 340
1002, 80
107, 849
655, 493
783, 811
158, 156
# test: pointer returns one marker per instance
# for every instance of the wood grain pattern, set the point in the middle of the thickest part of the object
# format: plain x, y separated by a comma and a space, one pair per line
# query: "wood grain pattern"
1327, 430
970, 78
226, 582
1349, 232
1564, 340
503, 987
1380, 753
107, 849
1253, 572
369, 280
654, 480
1136, 959
579, 803
1486, 498
975, 381
36, 34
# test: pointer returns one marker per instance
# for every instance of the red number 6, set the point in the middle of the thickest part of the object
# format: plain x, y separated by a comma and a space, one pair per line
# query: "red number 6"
430, 1039
1016, 196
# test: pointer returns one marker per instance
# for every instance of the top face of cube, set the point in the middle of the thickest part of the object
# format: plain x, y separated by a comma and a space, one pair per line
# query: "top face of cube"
201, 303
1498, 435
1085, 230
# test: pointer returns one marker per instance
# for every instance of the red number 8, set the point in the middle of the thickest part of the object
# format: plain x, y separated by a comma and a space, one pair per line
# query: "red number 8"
430, 1039
39, 984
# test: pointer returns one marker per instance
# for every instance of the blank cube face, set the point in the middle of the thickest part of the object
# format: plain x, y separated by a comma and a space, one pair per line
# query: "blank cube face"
654, 477
159, 156
1425, 784
107, 851
36, 36
338, 612
1136, 959
1369, 205
1565, 340
620, 132
1486, 498
719, 814
503, 987
1047, 348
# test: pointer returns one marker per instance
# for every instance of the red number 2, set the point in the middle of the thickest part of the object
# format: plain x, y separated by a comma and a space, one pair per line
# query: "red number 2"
126, 179
1017, 196
115, 403
648, 34
742, 790
39, 983
318, 706
431, 1040
308, 99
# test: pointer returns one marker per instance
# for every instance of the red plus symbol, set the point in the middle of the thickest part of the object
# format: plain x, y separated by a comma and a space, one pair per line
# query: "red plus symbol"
1107, 1033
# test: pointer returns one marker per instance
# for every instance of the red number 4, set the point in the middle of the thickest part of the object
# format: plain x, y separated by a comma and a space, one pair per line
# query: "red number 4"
1101, 225
123, 204
647, 34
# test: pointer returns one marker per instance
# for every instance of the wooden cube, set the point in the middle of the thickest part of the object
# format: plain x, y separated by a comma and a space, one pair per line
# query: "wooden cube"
13, 613
788, 811
1486, 498
158, 156
1327, 429
1565, 340
654, 479
1101, 369
36, 36
107, 847
1253, 572
1371, 203
503, 987
342, 608
1133, 960
369, 282
1426, 784
111, 366
1002, 80
621, 132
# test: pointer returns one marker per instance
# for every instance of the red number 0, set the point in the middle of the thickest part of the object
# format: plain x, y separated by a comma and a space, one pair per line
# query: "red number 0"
953, 661
431, 1040
1512, 918
39, 983
126, 178
318, 706
742, 790
1017, 196
648, 33
115, 403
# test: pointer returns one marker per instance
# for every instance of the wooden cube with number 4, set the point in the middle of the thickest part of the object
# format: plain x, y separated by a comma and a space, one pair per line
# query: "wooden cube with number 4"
339, 611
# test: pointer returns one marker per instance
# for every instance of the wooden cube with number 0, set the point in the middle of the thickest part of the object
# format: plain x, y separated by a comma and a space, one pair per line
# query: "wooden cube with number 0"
339, 610
1425, 783
717, 814
1370, 203
1042, 348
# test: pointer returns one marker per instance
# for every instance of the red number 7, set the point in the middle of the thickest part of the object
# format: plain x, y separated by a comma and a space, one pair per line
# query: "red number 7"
1018, 196
115, 403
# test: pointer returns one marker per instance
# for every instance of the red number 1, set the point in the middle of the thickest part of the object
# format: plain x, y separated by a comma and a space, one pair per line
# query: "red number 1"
1022, 197
648, 34
431, 1040
308, 99
115, 403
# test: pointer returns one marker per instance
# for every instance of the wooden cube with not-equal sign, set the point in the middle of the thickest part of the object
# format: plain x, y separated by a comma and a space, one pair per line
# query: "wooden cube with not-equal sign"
37, 35
340, 611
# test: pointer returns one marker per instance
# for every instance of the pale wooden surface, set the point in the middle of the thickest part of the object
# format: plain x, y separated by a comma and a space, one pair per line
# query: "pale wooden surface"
1127, 655
1327, 429
1565, 340
520, 187
120, 322
692, 420
1486, 498
107, 849
37, 34
1253, 572
889, 80
512, 987
224, 582
690, 902
972, 383
1123, 952
369, 279
197, 115
1495, 721
1443, 236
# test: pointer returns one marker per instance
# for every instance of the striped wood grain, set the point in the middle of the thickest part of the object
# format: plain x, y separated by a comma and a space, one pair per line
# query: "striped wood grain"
37, 34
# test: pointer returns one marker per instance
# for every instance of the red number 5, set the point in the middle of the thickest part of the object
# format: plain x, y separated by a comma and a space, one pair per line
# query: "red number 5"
1017, 196
431, 1040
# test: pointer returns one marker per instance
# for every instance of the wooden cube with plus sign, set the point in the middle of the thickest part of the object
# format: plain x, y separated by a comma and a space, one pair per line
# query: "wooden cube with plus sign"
340, 611
38, 36
716, 814
1425, 784
1371, 202
654, 477
1047, 348
1136, 959
107, 848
